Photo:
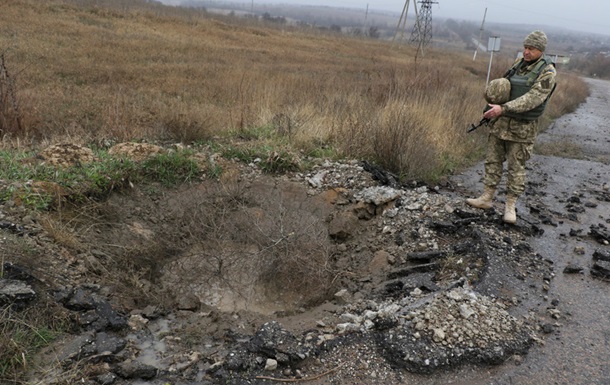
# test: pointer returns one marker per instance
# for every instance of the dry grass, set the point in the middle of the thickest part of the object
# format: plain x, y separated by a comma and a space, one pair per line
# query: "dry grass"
116, 72
23, 332
90, 73
570, 92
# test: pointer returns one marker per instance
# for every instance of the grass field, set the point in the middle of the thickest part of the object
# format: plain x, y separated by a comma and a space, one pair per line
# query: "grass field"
102, 72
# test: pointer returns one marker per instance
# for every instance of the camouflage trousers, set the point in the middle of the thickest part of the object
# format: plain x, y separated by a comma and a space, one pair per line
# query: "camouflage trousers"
515, 154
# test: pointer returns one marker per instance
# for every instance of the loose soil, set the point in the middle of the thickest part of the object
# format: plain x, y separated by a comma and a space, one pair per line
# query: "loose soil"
197, 271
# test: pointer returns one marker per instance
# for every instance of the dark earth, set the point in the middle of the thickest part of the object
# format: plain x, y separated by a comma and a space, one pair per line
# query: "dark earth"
335, 276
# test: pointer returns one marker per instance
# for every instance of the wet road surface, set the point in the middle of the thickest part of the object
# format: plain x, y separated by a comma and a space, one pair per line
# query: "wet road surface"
578, 351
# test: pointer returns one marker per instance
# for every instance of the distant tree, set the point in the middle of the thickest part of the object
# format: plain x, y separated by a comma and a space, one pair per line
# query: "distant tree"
356, 32
274, 19
597, 65
373, 32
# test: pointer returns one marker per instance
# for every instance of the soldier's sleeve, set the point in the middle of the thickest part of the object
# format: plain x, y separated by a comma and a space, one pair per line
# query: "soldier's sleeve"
537, 95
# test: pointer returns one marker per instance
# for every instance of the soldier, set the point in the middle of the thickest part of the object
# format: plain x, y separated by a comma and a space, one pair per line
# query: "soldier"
514, 105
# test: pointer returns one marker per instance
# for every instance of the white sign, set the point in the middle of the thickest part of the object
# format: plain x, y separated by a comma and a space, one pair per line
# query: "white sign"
493, 45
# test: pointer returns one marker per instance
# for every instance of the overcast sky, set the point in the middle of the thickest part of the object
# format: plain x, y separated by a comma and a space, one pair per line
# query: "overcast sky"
580, 15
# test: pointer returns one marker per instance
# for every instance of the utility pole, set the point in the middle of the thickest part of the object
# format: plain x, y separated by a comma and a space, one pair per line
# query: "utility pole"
402, 21
492, 46
480, 36
366, 15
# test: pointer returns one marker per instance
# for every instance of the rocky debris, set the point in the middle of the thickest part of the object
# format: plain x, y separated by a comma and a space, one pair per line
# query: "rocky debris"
136, 369
16, 272
601, 269
16, 293
452, 328
384, 177
602, 254
17, 229
600, 233
107, 343
106, 379
77, 348
547, 328
93, 346
426, 280
326, 175
573, 269
95, 313
100, 341
378, 195
270, 348
413, 284
443, 329
274, 342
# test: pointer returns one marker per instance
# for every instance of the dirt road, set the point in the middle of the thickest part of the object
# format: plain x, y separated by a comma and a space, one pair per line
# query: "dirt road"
578, 351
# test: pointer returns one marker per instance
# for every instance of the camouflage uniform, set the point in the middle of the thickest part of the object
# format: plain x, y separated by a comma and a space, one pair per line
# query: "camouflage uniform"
512, 139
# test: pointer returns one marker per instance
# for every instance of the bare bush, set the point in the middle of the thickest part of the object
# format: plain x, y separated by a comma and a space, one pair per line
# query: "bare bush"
251, 247
571, 91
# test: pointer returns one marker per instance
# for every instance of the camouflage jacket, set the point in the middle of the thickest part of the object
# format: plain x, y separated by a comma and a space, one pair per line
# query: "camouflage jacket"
517, 130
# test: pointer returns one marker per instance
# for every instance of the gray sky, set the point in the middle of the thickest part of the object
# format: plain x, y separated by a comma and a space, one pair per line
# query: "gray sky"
579, 15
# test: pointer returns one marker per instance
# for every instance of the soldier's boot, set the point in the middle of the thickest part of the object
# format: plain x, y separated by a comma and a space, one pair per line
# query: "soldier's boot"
485, 201
510, 215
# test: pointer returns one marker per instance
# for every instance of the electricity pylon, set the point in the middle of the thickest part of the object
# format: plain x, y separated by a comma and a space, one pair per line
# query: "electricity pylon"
422, 30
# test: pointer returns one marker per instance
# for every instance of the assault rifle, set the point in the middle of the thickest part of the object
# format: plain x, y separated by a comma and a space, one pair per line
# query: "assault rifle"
484, 121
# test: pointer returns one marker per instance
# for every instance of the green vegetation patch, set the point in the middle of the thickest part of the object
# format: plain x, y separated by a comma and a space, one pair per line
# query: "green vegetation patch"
40, 186
21, 335
270, 158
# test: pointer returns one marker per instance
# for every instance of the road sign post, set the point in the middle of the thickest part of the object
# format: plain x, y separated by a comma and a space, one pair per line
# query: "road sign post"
493, 45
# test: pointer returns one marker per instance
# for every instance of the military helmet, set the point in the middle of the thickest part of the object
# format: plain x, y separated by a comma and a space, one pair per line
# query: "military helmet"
498, 91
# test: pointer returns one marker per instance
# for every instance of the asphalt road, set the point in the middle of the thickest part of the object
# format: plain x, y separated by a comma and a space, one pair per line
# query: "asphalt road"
578, 351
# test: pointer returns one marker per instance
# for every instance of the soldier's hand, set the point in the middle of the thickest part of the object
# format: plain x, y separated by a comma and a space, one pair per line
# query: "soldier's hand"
494, 111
